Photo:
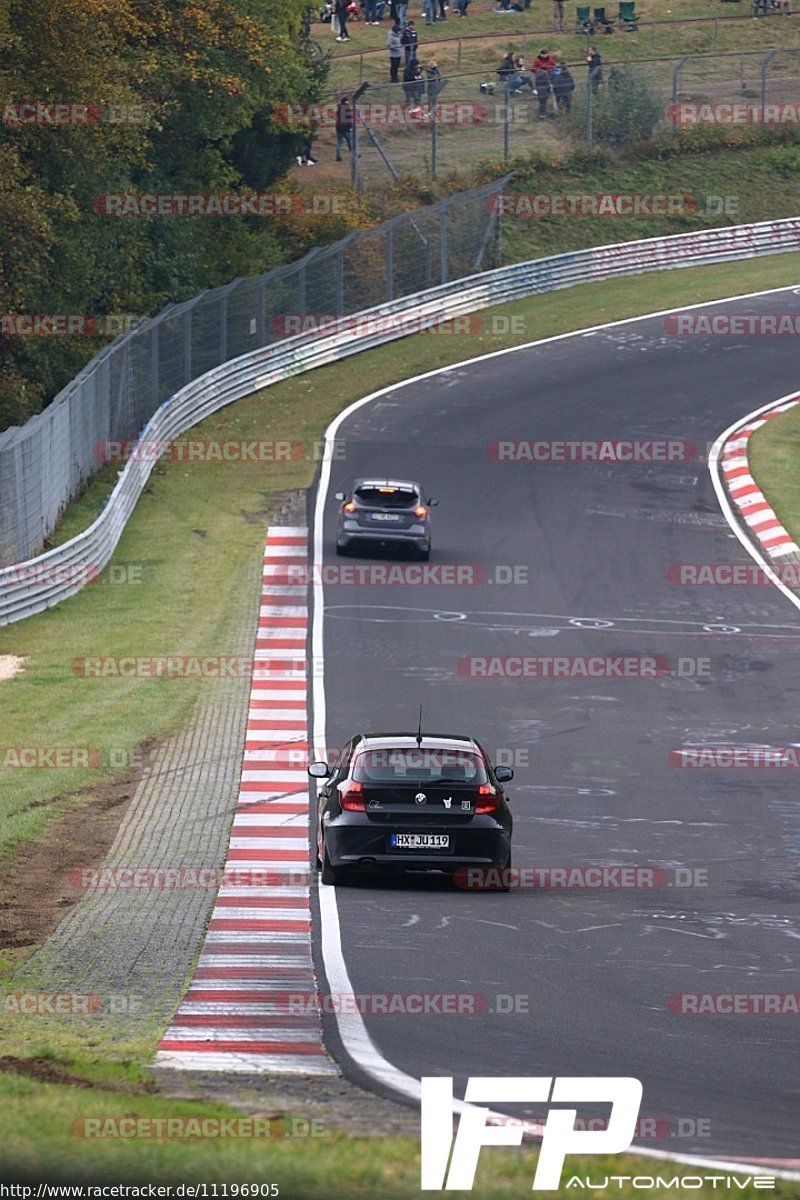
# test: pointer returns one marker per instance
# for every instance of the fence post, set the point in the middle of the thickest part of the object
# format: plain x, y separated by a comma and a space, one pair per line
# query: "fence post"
443, 264
676, 89
390, 263
433, 139
764, 66
154, 364
223, 328
340, 282
301, 289
506, 116
458, 59
355, 173
187, 344
589, 113
261, 314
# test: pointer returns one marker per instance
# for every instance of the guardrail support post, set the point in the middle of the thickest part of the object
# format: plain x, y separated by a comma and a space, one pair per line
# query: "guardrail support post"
389, 264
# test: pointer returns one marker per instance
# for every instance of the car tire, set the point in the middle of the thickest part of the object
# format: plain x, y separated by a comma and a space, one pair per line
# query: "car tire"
506, 886
424, 555
331, 875
341, 550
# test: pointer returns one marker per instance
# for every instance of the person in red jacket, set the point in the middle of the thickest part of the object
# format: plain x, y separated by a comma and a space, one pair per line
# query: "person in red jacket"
544, 61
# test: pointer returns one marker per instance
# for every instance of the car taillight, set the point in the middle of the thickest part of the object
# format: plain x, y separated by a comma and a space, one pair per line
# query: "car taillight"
488, 799
420, 511
351, 796
349, 507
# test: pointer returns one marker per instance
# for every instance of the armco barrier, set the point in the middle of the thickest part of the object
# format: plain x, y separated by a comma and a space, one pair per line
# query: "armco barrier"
41, 582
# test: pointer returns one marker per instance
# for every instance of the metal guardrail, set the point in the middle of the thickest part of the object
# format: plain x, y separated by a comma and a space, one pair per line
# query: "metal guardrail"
41, 582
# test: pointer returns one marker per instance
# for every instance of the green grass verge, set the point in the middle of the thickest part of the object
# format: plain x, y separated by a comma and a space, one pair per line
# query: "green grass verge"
42, 1142
198, 532
774, 453
769, 193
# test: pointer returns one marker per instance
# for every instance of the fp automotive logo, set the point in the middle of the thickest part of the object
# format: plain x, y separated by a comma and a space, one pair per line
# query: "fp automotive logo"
559, 1138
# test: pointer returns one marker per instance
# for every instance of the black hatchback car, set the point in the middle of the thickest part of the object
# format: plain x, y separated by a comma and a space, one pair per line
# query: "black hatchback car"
386, 512
398, 801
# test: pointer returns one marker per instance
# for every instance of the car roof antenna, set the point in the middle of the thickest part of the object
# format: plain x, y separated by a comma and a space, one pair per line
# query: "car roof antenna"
419, 728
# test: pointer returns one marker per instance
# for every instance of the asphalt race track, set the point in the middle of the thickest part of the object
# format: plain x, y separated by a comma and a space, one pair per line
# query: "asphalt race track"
596, 968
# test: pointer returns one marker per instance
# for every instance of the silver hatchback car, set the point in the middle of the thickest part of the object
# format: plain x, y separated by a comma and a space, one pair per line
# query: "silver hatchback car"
387, 512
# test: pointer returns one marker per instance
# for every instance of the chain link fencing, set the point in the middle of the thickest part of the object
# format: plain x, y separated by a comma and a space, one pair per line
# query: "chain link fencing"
476, 118
47, 462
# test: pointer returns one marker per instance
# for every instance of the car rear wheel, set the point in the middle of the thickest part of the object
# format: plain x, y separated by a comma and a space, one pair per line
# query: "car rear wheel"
505, 881
424, 555
330, 874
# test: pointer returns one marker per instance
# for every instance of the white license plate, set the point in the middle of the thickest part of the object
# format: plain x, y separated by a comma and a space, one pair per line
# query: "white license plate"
421, 841
386, 517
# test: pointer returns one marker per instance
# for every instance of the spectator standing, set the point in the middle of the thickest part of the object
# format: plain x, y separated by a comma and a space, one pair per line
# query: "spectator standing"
344, 126
595, 64
412, 81
433, 83
395, 48
558, 15
563, 86
429, 11
370, 12
340, 12
542, 81
402, 9
409, 40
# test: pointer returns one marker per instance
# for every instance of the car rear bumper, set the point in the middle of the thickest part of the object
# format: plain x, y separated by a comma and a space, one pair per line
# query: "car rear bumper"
347, 537
368, 845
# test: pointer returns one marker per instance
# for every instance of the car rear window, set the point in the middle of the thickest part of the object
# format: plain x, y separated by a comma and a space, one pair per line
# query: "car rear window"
403, 765
388, 497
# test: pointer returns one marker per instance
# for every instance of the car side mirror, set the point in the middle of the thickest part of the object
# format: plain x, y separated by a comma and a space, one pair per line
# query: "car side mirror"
503, 774
319, 770
432, 503
340, 495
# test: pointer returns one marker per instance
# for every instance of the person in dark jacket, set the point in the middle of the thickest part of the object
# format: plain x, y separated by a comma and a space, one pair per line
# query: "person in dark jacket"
344, 126
433, 82
395, 47
542, 82
595, 64
507, 69
412, 81
563, 86
409, 40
